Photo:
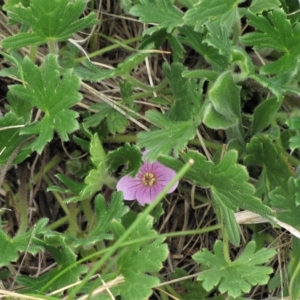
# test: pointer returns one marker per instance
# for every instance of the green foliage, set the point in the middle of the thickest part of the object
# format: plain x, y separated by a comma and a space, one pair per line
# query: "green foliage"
53, 96
141, 258
64, 258
293, 270
227, 180
264, 114
173, 135
98, 175
224, 12
192, 290
234, 277
88, 71
276, 32
294, 124
50, 20
129, 155
221, 83
210, 54
11, 247
258, 6
186, 103
116, 122
105, 215
158, 11
285, 199
276, 170
223, 109
10, 140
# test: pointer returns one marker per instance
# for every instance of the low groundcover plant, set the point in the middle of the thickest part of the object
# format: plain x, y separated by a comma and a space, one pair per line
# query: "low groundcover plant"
210, 88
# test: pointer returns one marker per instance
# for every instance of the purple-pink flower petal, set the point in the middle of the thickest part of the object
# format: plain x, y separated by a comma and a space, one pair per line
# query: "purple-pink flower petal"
146, 194
151, 179
128, 186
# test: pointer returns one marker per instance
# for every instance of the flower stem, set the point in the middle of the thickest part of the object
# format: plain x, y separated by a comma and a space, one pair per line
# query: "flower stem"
22, 207
73, 227
57, 196
52, 47
125, 244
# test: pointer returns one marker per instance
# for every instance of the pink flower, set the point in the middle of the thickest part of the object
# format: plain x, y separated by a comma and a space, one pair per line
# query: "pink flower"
151, 179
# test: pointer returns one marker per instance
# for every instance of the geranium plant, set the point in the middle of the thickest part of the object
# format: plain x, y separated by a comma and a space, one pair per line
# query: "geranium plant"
189, 107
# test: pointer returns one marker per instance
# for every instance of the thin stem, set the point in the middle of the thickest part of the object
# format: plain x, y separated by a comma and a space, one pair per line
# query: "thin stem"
107, 49
32, 53
294, 276
51, 46
131, 242
57, 196
73, 227
22, 207
61, 221
88, 212
237, 30
146, 87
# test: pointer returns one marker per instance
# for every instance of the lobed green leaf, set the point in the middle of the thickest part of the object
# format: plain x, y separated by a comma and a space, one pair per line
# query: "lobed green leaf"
235, 277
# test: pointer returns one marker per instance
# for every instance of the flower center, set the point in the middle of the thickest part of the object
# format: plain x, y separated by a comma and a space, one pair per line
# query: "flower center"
148, 179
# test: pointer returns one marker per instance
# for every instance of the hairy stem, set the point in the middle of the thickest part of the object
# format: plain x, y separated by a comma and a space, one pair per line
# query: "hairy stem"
22, 203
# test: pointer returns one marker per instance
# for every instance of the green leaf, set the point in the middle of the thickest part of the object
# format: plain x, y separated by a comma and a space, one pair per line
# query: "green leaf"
21, 107
42, 128
174, 135
264, 114
106, 213
98, 175
50, 20
207, 74
192, 290
64, 257
227, 180
277, 84
158, 11
293, 269
210, 54
53, 96
276, 169
225, 90
294, 124
218, 38
231, 226
130, 63
224, 106
237, 277
258, 6
285, 200
275, 32
10, 139
140, 260
186, 104
11, 248
92, 73
126, 90
129, 155
73, 187
177, 48
116, 122
223, 12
